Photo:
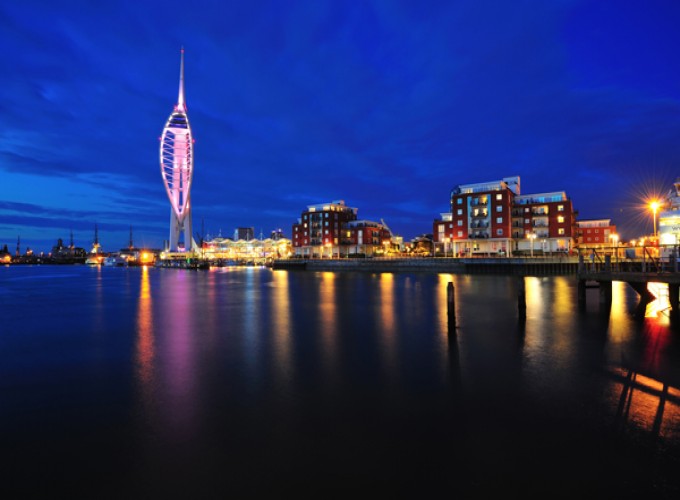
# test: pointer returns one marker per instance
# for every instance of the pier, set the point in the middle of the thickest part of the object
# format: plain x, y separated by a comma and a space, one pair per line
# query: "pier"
601, 272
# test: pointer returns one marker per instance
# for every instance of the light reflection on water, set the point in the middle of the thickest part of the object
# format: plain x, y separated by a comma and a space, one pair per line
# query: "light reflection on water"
248, 366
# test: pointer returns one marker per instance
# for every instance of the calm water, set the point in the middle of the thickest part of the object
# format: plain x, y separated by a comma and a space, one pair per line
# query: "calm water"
147, 383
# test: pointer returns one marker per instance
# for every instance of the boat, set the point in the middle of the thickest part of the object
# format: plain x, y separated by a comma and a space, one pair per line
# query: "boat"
115, 261
94, 259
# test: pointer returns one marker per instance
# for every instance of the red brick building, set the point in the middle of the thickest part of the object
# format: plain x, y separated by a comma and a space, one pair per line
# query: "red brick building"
595, 232
332, 230
494, 218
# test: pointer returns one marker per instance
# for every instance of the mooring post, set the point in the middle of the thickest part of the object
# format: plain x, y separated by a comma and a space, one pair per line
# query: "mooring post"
451, 305
521, 298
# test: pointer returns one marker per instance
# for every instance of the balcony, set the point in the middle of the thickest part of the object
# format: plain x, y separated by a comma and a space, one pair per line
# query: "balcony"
539, 224
479, 224
479, 202
480, 215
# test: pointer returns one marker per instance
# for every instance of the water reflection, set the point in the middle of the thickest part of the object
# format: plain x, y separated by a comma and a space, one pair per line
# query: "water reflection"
386, 322
145, 340
328, 320
281, 326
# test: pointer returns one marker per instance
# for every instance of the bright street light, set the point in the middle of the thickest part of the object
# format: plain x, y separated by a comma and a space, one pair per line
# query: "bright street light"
654, 205
532, 237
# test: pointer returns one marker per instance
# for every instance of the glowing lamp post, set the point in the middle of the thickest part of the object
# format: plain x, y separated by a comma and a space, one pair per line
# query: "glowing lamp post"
615, 241
654, 206
532, 237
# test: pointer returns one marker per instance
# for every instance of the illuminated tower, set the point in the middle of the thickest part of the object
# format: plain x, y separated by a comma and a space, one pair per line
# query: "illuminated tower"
177, 168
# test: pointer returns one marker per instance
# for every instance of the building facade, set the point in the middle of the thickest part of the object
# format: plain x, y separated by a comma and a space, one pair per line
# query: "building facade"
177, 168
333, 230
494, 218
669, 217
593, 233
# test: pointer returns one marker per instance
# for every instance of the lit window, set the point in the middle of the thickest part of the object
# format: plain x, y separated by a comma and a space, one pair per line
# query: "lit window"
459, 211
305, 224
560, 219
499, 208
499, 196
326, 232
305, 233
326, 215
441, 228
526, 209
459, 201
526, 221
460, 222
326, 223
451, 225
460, 234
560, 230
560, 208
499, 220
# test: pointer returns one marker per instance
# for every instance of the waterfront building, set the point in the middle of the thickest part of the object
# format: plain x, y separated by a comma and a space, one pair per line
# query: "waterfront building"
594, 233
495, 218
246, 251
244, 233
177, 167
333, 230
669, 217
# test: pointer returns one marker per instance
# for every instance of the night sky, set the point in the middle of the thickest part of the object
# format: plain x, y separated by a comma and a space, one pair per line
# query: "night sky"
384, 104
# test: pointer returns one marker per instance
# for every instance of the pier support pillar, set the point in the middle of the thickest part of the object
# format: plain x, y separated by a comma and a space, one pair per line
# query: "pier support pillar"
674, 296
581, 292
451, 306
521, 299
608, 263
605, 292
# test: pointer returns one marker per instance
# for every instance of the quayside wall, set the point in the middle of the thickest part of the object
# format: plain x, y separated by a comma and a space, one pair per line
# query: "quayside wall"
518, 266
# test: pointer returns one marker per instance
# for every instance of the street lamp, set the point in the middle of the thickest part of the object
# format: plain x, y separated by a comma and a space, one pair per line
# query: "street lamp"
654, 205
615, 238
532, 237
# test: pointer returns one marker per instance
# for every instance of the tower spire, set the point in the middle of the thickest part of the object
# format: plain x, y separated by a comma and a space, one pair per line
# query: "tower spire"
181, 106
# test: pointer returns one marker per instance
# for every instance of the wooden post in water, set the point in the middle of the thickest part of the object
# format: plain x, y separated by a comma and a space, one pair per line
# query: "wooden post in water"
451, 306
521, 299
674, 296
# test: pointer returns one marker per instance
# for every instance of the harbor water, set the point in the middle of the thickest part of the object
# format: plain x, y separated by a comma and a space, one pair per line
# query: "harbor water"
244, 381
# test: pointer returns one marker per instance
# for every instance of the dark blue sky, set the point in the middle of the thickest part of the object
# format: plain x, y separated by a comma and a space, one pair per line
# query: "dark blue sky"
384, 104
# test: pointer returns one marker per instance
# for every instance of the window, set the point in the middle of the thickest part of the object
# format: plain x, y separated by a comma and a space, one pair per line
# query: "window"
499, 196
597, 231
460, 222
459, 201
326, 215
305, 217
460, 234
526, 209
326, 232
441, 228
526, 221
499, 208
560, 231
305, 224
459, 211
560, 219
326, 223
499, 220
451, 225
499, 232
560, 208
